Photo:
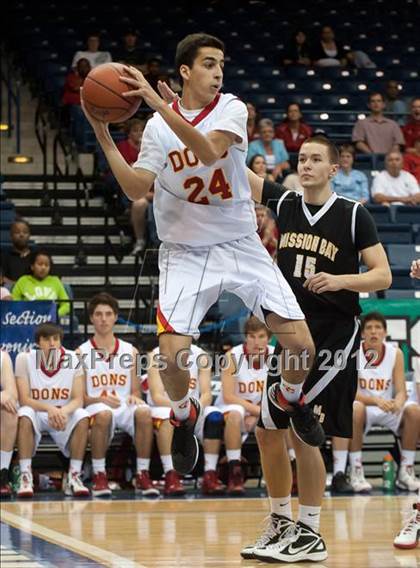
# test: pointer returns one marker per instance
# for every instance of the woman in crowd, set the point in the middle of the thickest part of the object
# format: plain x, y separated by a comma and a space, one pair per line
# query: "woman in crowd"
274, 151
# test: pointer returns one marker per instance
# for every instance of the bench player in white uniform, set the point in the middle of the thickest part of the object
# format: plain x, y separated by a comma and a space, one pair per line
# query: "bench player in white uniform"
113, 398
51, 400
240, 397
8, 420
209, 427
381, 400
194, 152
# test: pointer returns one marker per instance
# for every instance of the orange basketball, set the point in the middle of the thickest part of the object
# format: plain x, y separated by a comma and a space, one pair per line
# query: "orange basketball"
102, 94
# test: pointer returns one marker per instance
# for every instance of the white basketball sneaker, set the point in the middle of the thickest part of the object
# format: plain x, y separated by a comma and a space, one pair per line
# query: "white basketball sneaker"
73, 485
409, 535
26, 485
276, 528
407, 478
358, 481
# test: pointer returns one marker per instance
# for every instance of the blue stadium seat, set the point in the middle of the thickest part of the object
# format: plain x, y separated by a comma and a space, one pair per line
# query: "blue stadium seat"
395, 233
379, 212
401, 256
401, 278
404, 214
394, 294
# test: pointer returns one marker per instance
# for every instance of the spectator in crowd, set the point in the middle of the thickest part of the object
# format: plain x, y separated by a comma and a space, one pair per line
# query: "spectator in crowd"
377, 134
394, 185
293, 131
252, 122
274, 151
16, 261
292, 182
240, 397
92, 53
154, 73
348, 182
267, 229
297, 51
40, 284
74, 80
129, 52
411, 129
328, 52
412, 161
5, 293
8, 420
394, 106
258, 165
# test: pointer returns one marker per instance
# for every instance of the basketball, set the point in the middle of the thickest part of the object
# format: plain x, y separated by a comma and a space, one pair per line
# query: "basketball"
102, 94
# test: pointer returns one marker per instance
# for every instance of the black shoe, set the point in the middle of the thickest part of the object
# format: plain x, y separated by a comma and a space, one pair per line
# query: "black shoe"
184, 443
306, 544
303, 421
340, 484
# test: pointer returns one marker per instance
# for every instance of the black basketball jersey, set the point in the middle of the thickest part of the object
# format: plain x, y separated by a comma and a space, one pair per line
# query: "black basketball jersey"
319, 239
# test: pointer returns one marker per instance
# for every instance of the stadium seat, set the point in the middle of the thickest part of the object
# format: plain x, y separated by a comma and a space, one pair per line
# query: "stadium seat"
402, 255
401, 278
404, 214
395, 233
379, 212
393, 294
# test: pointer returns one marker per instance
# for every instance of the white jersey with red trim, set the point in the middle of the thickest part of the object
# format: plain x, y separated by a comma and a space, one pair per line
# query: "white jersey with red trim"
375, 378
110, 374
249, 377
52, 386
194, 204
194, 367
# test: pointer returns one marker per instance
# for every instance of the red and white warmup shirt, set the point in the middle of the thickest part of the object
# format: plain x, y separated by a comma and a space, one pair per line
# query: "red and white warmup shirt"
375, 377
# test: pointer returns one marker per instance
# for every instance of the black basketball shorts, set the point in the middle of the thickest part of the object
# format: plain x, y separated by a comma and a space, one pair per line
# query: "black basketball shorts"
330, 387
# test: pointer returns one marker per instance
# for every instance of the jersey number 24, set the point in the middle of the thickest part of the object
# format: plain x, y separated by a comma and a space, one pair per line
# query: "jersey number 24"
218, 185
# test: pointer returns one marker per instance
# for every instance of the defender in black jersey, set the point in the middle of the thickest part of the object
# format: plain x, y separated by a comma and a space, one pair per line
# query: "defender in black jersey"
321, 237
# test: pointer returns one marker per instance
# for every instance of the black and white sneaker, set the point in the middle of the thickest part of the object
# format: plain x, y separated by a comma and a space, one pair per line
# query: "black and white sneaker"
341, 485
184, 448
277, 526
303, 421
306, 544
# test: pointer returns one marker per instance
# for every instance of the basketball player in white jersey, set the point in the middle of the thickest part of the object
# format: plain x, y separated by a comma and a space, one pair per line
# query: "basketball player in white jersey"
208, 429
194, 152
381, 400
8, 420
112, 396
409, 535
240, 397
50, 387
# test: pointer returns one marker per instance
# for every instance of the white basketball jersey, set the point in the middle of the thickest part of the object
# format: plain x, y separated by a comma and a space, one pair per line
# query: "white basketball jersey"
194, 204
111, 374
194, 387
249, 378
376, 379
51, 386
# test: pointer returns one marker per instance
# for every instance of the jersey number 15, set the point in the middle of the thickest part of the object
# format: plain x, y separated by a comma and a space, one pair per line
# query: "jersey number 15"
310, 266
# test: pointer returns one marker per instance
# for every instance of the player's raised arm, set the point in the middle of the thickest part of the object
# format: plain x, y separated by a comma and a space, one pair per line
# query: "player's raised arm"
134, 182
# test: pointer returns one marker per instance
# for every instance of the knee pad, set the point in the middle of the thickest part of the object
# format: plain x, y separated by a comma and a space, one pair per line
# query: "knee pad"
213, 426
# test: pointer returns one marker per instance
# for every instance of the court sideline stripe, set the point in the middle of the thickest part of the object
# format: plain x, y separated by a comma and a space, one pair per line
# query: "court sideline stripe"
83, 548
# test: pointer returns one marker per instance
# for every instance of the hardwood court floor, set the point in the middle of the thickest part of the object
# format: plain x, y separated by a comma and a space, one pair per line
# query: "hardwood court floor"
208, 533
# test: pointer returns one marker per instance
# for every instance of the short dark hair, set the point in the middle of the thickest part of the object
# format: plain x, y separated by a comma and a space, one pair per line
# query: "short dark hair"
252, 160
373, 316
187, 49
376, 94
40, 252
347, 148
20, 222
105, 299
46, 330
293, 104
324, 141
253, 324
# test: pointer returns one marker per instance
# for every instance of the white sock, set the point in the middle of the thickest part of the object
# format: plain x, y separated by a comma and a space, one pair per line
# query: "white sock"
233, 455
407, 457
75, 466
210, 462
25, 466
98, 465
292, 454
290, 391
340, 460
310, 516
143, 464
167, 463
181, 407
5, 459
281, 506
355, 459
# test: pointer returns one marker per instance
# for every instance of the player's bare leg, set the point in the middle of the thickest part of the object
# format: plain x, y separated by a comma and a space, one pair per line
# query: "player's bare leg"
78, 440
99, 441
185, 410
211, 483
410, 427
233, 444
297, 357
73, 485
173, 485
340, 450
143, 441
357, 476
8, 431
25, 443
